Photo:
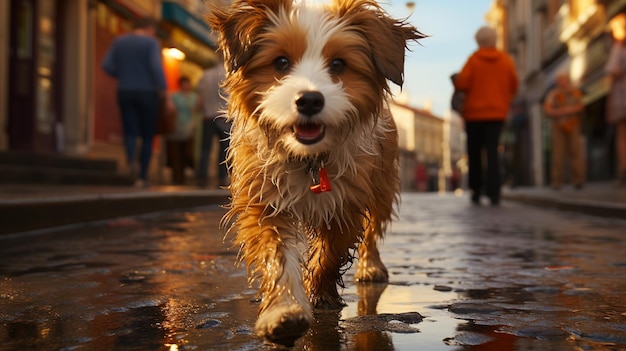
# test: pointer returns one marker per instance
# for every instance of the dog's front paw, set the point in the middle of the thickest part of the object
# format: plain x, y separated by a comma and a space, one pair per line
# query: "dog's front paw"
371, 271
283, 324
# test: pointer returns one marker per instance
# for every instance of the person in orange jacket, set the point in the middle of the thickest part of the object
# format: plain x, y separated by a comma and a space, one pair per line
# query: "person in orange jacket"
564, 106
489, 81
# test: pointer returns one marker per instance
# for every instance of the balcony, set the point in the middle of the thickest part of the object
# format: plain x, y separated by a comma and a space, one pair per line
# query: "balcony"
589, 23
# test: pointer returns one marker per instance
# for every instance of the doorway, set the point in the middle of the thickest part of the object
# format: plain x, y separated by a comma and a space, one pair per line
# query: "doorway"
34, 120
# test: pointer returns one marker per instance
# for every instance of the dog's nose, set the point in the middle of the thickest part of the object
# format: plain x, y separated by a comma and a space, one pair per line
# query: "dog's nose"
310, 102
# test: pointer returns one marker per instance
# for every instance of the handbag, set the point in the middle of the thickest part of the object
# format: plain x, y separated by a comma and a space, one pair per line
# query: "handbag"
458, 97
167, 116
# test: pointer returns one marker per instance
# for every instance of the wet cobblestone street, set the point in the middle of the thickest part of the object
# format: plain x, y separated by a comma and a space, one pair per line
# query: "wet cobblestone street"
462, 277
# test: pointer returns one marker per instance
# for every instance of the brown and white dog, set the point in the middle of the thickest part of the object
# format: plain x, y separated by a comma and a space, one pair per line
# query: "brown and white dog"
313, 149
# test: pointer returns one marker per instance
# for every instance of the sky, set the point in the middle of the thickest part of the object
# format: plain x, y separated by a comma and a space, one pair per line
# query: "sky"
450, 25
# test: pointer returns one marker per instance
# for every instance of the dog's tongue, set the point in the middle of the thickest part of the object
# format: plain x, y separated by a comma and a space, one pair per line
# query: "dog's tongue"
308, 131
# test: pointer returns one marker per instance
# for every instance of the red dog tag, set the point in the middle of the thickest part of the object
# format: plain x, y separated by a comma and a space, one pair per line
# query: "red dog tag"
324, 184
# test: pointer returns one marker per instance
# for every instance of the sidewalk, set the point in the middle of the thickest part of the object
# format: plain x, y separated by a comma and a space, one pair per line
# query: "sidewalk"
33, 207
598, 199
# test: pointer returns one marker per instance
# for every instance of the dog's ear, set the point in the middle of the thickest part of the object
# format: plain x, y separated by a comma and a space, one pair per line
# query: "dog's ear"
235, 46
238, 26
388, 37
389, 41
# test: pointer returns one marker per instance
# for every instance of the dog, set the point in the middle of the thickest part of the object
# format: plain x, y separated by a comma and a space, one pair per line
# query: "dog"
313, 150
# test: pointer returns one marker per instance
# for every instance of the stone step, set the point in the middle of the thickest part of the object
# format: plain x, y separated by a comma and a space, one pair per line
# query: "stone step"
22, 158
19, 174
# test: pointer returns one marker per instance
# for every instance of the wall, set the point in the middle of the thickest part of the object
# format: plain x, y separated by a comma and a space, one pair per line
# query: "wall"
405, 122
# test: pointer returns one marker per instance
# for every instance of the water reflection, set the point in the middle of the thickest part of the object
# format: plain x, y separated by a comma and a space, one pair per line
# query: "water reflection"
330, 332
369, 295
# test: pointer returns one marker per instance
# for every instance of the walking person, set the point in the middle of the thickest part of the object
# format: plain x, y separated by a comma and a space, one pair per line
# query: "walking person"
616, 102
489, 81
214, 123
135, 61
180, 143
563, 104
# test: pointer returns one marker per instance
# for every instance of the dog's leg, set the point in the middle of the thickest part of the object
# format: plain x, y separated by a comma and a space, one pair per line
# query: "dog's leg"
329, 251
386, 185
371, 267
273, 249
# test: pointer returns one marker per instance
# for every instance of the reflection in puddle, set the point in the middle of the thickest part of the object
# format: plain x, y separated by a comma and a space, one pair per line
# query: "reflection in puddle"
397, 299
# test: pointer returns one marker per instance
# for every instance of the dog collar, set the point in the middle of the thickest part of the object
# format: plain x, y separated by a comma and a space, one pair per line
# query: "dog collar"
321, 183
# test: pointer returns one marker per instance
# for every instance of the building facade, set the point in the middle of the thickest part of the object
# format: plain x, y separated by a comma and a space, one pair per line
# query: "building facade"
431, 147
549, 36
55, 98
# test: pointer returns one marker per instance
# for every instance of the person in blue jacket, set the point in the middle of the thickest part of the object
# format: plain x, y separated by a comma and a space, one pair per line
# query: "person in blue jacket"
134, 59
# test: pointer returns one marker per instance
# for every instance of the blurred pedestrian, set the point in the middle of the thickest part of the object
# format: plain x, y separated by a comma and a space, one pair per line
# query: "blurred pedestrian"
180, 143
616, 102
134, 59
214, 123
563, 105
421, 177
490, 82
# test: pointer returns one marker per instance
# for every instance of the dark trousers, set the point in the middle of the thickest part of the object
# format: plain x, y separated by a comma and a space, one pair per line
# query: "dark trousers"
140, 111
214, 127
179, 157
484, 136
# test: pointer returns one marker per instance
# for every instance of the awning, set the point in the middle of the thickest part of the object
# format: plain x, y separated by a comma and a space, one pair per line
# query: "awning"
175, 13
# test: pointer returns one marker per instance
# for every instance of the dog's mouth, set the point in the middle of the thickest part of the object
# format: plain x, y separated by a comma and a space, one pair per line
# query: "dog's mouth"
309, 133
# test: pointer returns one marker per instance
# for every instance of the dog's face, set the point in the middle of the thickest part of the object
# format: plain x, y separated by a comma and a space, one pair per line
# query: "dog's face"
308, 76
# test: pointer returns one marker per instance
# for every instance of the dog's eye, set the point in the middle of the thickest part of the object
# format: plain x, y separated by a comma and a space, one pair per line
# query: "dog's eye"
337, 66
282, 64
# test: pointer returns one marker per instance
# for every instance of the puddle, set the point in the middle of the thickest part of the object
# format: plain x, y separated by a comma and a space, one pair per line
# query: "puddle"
436, 326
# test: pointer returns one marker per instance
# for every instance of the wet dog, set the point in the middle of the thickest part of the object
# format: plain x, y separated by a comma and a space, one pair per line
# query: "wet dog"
313, 150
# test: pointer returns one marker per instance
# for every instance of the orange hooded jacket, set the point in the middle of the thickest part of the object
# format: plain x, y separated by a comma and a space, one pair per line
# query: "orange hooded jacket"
490, 82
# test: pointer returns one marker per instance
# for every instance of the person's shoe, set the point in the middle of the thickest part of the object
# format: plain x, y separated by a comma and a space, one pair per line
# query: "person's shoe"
495, 201
579, 186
